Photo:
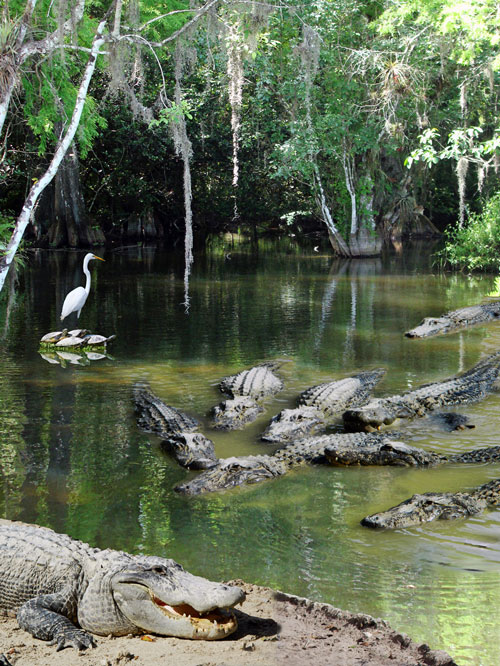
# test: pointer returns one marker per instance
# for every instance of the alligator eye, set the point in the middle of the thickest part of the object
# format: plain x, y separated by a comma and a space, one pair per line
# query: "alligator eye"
159, 569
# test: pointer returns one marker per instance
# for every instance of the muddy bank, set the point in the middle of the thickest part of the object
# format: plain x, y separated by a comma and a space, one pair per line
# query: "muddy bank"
274, 628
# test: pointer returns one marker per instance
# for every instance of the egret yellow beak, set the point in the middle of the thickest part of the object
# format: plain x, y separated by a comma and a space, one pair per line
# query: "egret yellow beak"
100, 259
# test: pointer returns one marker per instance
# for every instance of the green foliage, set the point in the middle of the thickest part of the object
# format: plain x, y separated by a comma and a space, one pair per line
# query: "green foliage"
6, 225
173, 114
461, 143
477, 244
49, 101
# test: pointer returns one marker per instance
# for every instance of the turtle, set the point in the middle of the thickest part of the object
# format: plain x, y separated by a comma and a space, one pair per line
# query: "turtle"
96, 340
55, 336
71, 341
79, 332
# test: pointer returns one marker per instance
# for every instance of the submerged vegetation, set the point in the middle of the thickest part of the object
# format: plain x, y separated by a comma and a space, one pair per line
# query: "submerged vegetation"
144, 120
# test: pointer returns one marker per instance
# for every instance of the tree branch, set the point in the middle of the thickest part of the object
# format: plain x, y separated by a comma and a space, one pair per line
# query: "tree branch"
61, 150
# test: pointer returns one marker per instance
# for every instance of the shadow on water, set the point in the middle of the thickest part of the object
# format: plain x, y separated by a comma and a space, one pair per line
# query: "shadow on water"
73, 458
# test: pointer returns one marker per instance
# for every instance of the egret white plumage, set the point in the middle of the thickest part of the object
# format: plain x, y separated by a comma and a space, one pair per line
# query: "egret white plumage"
75, 300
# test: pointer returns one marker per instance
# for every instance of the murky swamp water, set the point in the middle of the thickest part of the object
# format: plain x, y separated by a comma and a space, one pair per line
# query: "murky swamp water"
72, 457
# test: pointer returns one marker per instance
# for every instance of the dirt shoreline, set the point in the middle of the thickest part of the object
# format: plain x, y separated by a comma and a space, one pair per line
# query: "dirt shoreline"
274, 628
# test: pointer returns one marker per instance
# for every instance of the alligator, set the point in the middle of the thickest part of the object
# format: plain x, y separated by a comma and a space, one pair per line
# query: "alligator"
319, 405
452, 421
244, 390
241, 470
467, 387
235, 413
436, 506
456, 320
63, 590
392, 452
191, 449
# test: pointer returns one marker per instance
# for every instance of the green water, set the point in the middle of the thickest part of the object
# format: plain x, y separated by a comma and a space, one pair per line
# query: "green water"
72, 457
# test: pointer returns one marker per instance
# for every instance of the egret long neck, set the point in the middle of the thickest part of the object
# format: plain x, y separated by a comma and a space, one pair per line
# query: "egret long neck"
87, 274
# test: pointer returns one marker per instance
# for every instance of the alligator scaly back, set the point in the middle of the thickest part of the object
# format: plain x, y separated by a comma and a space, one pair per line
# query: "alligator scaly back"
333, 397
257, 382
155, 416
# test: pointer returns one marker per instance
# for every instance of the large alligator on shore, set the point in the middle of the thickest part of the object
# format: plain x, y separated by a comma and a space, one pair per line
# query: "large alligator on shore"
321, 404
178, 431
467, 387
55, 583
456, 320
245, 389
241, 470
436, 506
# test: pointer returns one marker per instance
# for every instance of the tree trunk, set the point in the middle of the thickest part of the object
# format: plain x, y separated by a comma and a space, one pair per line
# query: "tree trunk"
337, 242
70, 224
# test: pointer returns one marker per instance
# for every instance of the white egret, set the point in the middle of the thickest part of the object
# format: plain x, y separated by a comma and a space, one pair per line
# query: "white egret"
75, 300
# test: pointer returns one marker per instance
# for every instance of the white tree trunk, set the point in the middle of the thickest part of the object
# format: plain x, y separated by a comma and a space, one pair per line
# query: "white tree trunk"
38, 187
348, 165
5, 101
338, 242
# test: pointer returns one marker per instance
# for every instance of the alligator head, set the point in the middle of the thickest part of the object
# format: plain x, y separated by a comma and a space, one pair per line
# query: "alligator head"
424, 508
380, 453
430, 326
153, 594
235, 413
191, 449
291, 423
231, 472
377, 413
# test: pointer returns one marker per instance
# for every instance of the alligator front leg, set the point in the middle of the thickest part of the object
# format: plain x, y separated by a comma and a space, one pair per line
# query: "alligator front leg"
42, 618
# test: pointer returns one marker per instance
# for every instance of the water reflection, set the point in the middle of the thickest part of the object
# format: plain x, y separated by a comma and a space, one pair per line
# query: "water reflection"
72, 456
64, 358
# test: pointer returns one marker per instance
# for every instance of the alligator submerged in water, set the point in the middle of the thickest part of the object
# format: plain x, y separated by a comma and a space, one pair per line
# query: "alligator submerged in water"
319, 405
347, 449
241, 470
467, 387
54, 583
399, 454
245, 389
436, 506
456, 320
191, 449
